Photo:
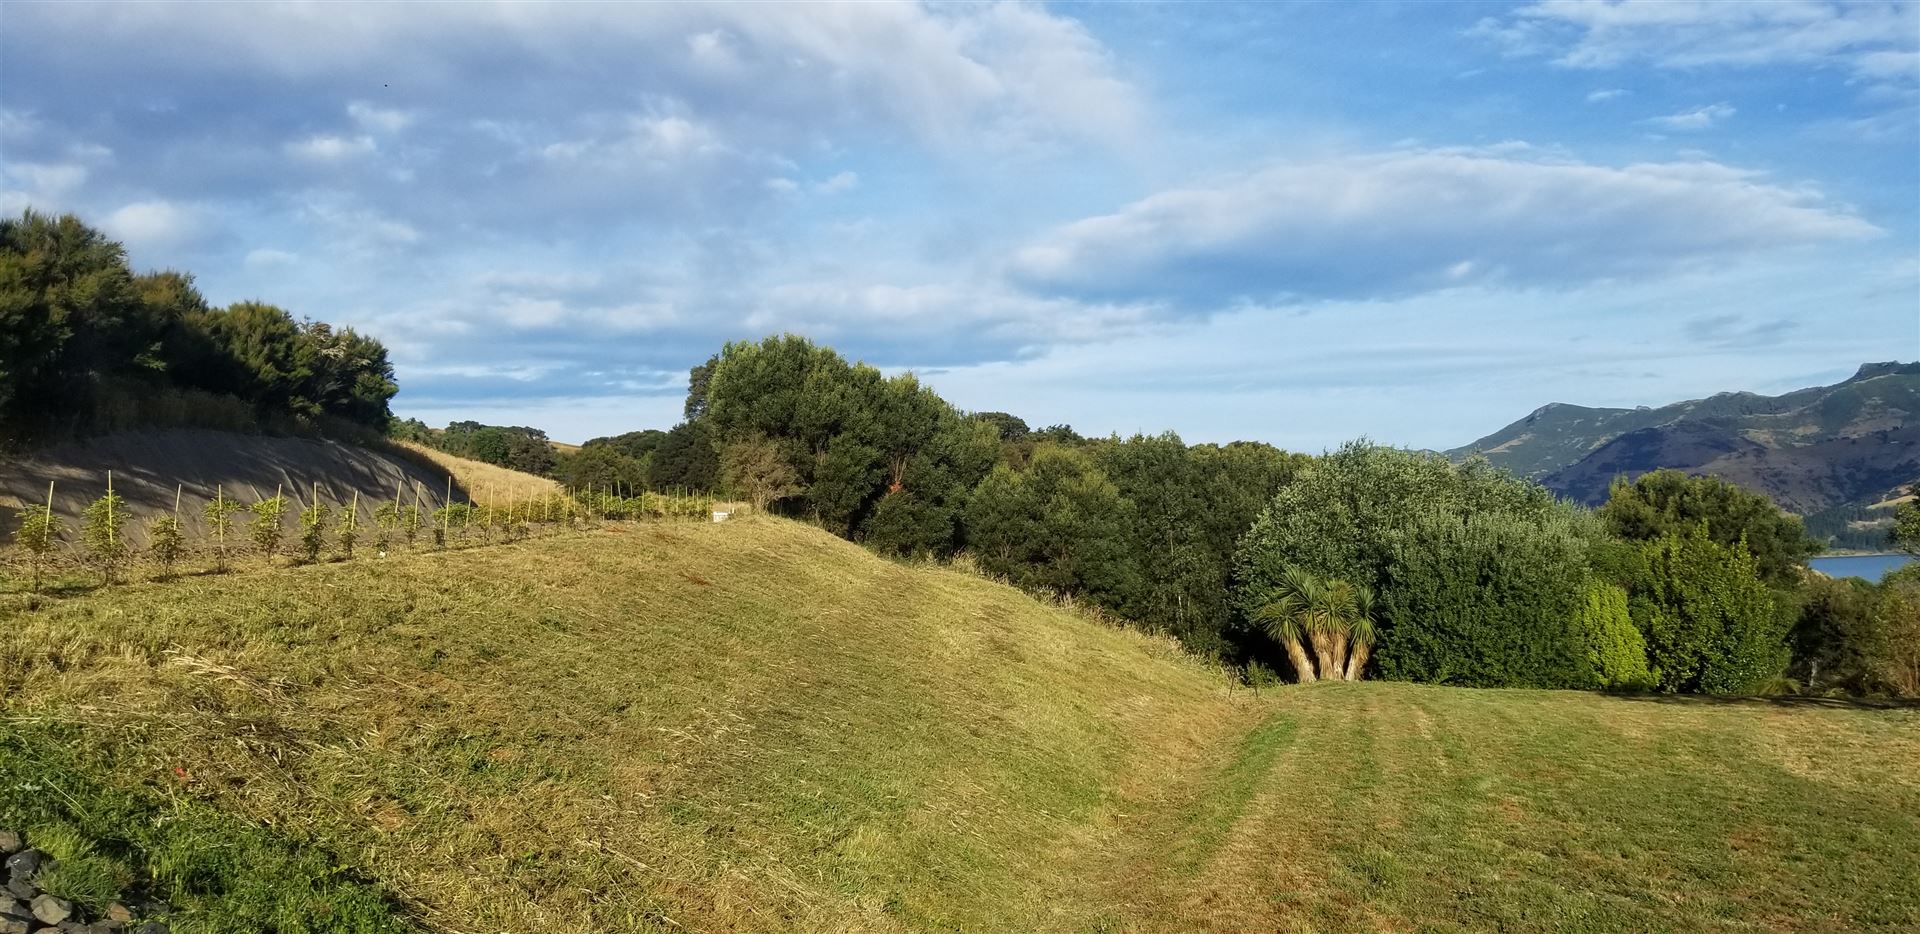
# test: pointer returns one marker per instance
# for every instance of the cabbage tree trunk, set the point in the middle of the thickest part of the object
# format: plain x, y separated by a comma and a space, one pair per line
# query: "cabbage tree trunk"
1357, 661
1297, 654
1323, 649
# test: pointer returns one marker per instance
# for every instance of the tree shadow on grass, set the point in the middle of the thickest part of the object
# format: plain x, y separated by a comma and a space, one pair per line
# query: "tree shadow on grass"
1770, 700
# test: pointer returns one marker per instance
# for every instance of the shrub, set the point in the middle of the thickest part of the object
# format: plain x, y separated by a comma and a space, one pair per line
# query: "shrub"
1666, 501
1708, 619
1487, 601
165, 541
39, 531
219, 516
101, 535
313, 531
347, 531
386, 519
265, 526
1616, 652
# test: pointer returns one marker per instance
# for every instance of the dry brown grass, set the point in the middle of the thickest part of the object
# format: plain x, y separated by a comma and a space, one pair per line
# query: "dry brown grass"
486, 483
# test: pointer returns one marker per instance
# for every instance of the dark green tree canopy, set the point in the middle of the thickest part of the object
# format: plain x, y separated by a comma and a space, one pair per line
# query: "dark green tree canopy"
1669, 501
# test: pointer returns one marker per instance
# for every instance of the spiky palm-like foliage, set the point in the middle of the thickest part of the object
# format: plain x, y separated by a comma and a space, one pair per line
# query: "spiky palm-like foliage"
1334, 617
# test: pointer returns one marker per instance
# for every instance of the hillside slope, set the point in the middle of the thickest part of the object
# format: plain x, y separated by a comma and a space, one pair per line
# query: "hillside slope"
148, 466
1811, 449
757, 726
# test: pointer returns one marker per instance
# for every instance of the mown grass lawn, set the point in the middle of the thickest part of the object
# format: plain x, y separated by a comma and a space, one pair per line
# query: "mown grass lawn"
757, 726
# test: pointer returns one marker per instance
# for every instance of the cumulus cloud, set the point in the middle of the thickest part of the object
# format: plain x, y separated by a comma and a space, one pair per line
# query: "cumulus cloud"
152, 224
1606, 94
1878, 40
844, 181
1699, 118
1407, 221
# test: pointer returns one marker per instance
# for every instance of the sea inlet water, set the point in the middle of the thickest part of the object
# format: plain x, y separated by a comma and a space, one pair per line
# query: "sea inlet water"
1867, 567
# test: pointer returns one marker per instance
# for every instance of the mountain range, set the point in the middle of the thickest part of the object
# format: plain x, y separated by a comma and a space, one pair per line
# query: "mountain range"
1824, 449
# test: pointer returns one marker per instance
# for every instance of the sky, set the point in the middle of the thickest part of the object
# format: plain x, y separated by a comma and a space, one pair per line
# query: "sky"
1297, 223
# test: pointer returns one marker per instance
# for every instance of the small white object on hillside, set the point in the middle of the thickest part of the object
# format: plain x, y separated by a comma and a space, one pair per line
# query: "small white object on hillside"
719, 516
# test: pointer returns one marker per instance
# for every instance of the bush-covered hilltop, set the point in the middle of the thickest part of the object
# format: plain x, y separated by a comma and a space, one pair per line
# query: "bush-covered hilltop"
1366, 561
86, 343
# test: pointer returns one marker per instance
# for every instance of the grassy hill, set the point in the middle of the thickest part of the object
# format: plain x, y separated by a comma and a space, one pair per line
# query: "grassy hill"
758, 726
1813, 449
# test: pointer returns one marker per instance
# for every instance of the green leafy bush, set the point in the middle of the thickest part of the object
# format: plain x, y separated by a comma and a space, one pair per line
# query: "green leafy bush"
1708, 618
1487, 601
1616, 652
1058, 527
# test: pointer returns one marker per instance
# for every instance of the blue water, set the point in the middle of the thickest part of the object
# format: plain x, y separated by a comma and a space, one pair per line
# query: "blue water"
1866, 567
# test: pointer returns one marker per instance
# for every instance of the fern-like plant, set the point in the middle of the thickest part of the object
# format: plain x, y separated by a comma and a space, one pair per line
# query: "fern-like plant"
218, 514
39, 531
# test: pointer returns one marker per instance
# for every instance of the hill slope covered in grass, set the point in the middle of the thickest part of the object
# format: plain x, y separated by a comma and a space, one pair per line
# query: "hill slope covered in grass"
758, 726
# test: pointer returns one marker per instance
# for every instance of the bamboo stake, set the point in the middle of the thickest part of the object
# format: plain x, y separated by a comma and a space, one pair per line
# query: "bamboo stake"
111, 542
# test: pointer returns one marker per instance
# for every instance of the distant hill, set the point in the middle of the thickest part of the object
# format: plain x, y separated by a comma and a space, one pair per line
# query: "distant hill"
1815, 449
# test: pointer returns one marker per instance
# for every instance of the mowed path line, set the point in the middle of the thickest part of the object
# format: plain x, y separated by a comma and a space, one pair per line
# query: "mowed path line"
1401, 807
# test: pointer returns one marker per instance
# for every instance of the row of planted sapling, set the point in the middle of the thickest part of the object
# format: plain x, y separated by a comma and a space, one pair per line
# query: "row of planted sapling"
337, 530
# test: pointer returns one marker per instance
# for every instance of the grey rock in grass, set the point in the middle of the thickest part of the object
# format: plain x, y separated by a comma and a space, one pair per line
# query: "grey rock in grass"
25, 863
21, 887
108, 926
10, 842
151, 927
11, 907
14, 926
51, 910
118, 911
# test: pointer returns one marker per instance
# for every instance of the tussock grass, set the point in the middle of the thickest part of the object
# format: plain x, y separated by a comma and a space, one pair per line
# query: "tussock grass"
757, 726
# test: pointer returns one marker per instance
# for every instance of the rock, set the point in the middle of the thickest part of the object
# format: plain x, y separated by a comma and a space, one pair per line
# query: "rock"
151, 927
117, 911
10, 842
14, 926
11, 907
74, 927
51, 910
25, 863
21, 888
108, 926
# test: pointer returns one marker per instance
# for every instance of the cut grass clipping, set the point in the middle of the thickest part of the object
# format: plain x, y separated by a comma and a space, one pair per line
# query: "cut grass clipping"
757, 726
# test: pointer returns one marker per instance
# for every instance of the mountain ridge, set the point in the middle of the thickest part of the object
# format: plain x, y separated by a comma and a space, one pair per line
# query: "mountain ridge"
1812, 449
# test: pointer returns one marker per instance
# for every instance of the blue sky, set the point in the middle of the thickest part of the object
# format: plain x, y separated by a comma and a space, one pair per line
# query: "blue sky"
1298, 223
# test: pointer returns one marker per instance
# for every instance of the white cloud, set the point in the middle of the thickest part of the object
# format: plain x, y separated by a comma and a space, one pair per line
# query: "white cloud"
328, 148
49, 181
844, 181
1409, 221
377, 119
949, 74
1607, 94
1699, 118
264, 258
1872, 39
152, 223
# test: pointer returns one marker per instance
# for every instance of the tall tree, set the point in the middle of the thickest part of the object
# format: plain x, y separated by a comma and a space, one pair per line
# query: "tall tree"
1668, 501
